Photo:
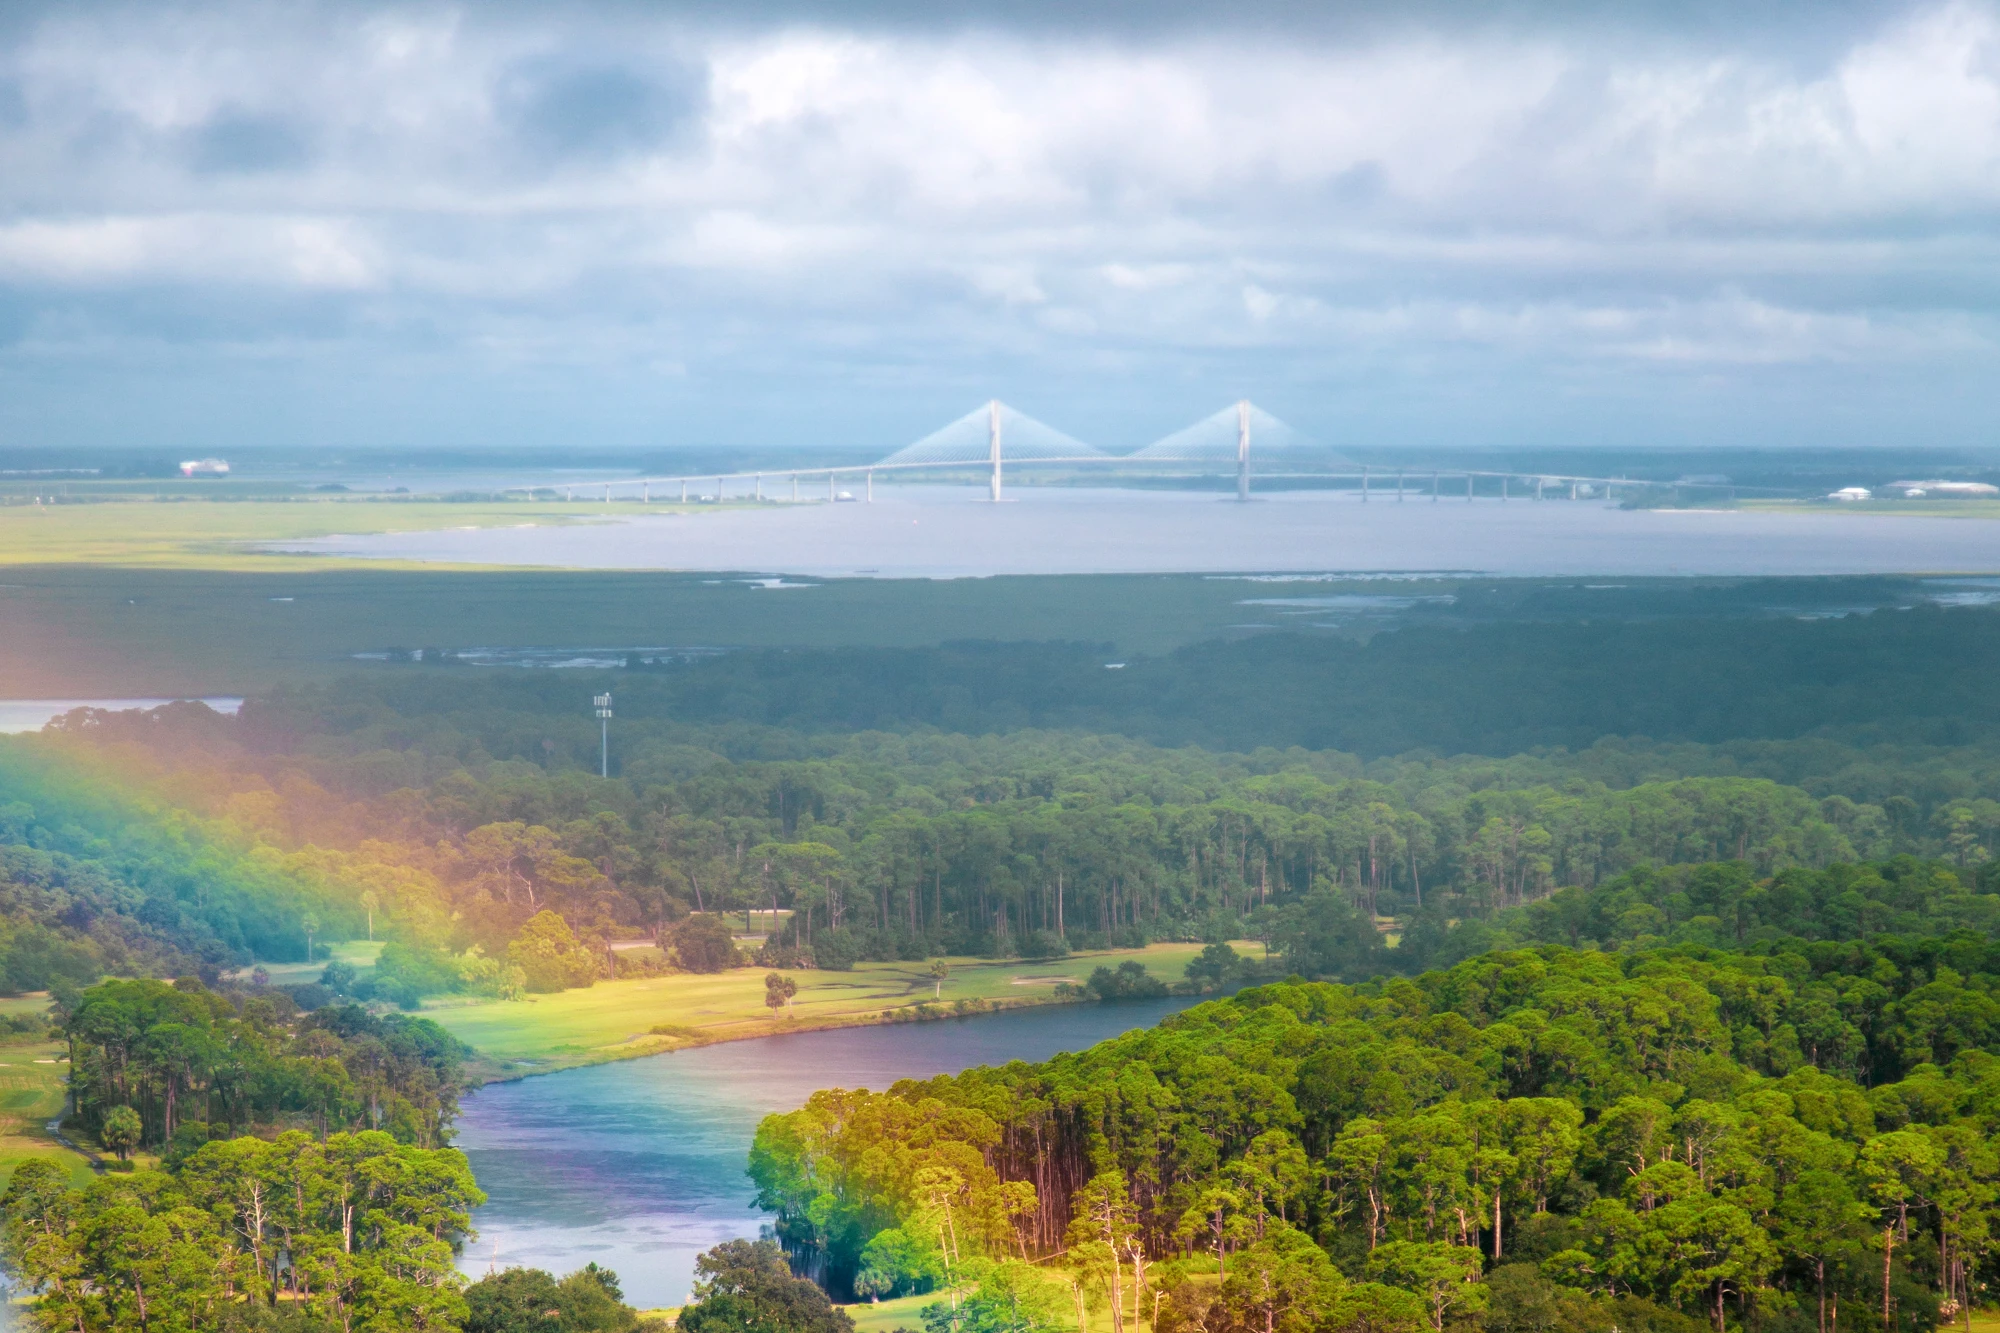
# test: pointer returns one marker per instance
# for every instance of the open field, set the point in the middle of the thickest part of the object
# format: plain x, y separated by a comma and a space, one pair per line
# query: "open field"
359, 954
614, 1020
31, 1094
77, 631
219, 534
888, 1316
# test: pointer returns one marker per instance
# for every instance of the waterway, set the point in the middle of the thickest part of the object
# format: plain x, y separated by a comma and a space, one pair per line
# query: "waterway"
948, 532
640, 1165
18, 715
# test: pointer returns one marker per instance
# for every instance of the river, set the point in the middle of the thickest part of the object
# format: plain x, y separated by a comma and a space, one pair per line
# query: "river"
639, 1165
945, 532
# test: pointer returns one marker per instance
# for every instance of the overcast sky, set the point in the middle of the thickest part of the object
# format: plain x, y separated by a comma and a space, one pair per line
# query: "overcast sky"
633, 224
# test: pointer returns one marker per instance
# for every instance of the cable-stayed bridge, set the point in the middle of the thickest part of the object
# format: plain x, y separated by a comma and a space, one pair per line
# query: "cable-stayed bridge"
993, 437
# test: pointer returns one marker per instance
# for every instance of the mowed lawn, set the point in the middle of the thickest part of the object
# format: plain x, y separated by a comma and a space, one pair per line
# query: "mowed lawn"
31, 1094
615, 1020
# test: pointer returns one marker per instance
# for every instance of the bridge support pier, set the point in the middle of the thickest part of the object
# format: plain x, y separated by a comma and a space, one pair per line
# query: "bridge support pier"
1364, 485
993, 446
1242, 450
760, 488
684, 490
871, 488
795, 488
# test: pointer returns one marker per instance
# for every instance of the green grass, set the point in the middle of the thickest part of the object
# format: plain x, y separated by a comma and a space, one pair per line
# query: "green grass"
78, 631
219, 535
614, 1020
31, 1094
888, 1316
359, 954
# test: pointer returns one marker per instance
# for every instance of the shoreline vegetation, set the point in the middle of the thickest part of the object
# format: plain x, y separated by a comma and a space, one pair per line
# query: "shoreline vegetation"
183, 528
228, 534
546, 1034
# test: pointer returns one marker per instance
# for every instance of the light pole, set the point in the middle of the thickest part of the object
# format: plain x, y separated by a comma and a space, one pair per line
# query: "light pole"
603, 703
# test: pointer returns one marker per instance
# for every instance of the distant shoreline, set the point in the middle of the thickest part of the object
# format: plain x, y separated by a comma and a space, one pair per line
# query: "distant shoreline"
688, 1039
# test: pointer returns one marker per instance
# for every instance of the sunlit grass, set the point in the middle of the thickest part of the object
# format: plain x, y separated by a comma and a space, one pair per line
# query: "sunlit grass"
224, 535
358, 954
614, 1020
31, 1094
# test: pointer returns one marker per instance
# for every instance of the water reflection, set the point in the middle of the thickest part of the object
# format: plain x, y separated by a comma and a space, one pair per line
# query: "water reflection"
639, 1166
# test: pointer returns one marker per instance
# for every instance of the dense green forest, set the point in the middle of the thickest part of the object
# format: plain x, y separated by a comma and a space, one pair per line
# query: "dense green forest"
1492, 688
194, 1064
1551, 1139
448, 810
303, 1183
351, 1231
1693, 1020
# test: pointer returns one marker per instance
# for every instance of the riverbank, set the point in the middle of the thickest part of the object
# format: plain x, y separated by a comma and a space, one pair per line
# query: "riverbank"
624, 1020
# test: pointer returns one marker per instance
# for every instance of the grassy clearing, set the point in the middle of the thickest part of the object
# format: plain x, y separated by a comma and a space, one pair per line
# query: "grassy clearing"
888, 1316
359, 954
616, 1020
31, 1094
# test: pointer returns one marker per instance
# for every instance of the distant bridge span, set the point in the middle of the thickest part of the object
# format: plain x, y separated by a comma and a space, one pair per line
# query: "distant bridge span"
994, 437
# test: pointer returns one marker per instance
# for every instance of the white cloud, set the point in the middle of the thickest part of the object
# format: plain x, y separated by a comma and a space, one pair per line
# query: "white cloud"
943, 197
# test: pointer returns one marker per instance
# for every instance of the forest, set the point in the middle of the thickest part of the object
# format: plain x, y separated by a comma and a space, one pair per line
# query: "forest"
1494, 687
1689, 1026
454, 817
1780, 1138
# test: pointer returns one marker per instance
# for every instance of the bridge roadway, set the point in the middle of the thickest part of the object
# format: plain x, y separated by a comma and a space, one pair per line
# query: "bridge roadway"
1365, 480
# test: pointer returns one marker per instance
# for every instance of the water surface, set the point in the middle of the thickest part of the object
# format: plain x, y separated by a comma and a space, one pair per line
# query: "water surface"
17, 715
639, 1165
946, 532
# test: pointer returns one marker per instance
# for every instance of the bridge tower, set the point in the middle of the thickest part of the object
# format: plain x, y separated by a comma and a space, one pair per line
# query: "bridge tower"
993, 444
1242, 449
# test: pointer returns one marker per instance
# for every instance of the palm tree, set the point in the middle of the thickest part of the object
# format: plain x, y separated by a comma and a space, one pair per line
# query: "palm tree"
121, 1130
939, 971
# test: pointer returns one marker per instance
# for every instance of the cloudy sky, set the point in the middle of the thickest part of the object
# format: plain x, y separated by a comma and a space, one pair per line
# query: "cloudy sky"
630, 224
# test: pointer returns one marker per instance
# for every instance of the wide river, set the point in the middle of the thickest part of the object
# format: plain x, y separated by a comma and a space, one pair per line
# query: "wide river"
639, 1165
949, 532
